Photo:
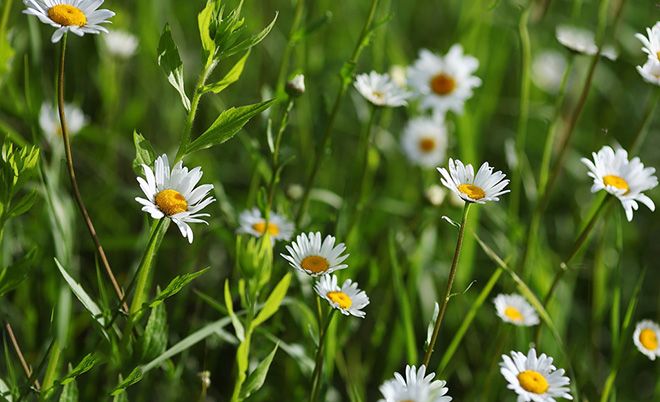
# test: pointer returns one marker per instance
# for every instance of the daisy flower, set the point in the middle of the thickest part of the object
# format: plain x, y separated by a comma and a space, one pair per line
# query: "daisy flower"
172, 194
646, 336
416, 387
626, 180
348, 298
424, 141
485, 186
251, 221
516, 310
121, 44
49, 121
534, 378
582, 41
380, 90
652, 42
76, 16
311, 256
444, 82
650, 71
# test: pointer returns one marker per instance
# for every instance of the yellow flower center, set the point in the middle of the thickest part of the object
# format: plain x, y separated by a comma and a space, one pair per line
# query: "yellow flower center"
513, 313
341, 298
427, 144
315, 263
472, 191
67, 15
616, 181
443, 84
533, 381
657, 54
171, 202
378, 95
648, 339
260, 227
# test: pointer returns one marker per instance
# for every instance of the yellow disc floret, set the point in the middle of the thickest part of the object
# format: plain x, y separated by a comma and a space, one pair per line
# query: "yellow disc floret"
513, 313
442, 84
648, 339
472, 191
171, 202
260, 227
427, 144
315, 264
533, 381
616, 182
67, 15
342, 299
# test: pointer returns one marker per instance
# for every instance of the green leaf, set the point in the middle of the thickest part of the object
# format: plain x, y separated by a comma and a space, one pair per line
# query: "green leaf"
228, 124
5, 392
274, 300
24, 204
70, 392
80, 293
249, 42
87, 363
170, 62
144, 152
232, 76
14, 275
175, 286
154, 340
238, 327
122, 396
256, 379
133, 378
204, 19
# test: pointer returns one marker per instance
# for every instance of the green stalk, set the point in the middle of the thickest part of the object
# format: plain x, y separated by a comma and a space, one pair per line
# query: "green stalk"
646, 121
51, 370
403, 298
291, 42
144, 269
274, 179
318, 365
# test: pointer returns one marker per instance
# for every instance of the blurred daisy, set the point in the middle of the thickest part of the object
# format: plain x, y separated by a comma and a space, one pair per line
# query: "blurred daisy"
380, 90
548, 69
652, 42
251, 221
650, 71
534, 378
348, 298
516, 310
121, 44
626, 180
416, 387
308, 254
172, 194
49, 121
398, 74
444, 82
435, 195
485, 186
76, 16
646, 336
582, 41
424, 141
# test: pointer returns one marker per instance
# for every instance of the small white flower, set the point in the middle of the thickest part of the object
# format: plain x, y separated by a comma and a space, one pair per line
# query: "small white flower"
582, 41
534, 378
380, 90
251, 221
435, 195
313, 257
485, 186
444, 82
415, 387
121, 44
652, 42
76, 16
296, 85
424, 141
173, 194
646, 338
548, 70
516, 310
626, 180
348, 298
49, 121
650, 71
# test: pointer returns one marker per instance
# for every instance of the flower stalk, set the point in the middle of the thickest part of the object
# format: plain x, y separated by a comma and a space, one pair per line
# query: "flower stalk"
318, 365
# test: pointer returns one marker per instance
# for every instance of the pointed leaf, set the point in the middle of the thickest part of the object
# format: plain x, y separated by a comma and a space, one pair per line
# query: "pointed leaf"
256, 379
274, 300
133, 378
175, 286
80, 293
170, 62
238, 327
204, 19
232, 76
154, 340
251, 41
144, 152
87, 363
70, 392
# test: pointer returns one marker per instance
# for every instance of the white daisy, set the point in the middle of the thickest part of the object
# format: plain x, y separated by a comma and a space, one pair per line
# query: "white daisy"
646, 337
308, 254
516, 310
444, 82
348, 298
582, 41
398, 74
650, 71
121, 44
652, 42
49, 121
380, 90
173, 194
627, 180
76, 16
534, 378
251, 221
548, 69
424, 141
485, 186
416, 387
435, 194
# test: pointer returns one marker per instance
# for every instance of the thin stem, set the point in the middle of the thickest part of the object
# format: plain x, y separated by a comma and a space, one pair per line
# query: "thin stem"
291, 42
318, 366
26, 367
74, 184
144, 269
274, 179
450, 282
646, 121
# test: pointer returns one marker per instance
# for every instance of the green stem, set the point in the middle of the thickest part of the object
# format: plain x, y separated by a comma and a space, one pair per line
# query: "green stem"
450, 282
144, 269
291, 42
318, 366
274, 178
646, 121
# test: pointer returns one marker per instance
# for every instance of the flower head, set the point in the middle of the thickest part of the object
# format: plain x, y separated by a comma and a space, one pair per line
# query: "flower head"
415, 387
172, 194
516, 310
424, 141
582, 41
278, 227
485, 186
651, 42
49, 121
348, 298
650, 71
380, 90
626, 180
121, 44
647, 338
534, 378
296, 86
76, 16
313, 257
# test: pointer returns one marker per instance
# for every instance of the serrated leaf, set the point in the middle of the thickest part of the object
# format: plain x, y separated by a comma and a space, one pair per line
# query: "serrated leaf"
232, 76
228, 124
144, 152
256, 379
238, 327
80, 293
249, 42
273, 301
170, 61
69, 393
154, 340
175, 286
133, 378
87, 363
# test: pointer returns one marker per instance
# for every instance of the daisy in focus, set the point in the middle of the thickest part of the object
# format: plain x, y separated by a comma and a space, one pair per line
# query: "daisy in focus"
424, 141
516, 310
121, 44
582, 41
172, 194
313, 257
626, 180
76, 16
380, 90
278, 227
444, 82
49, 121
651, 42
646, 338
348, 298
485, 186
534, 378
415, 387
